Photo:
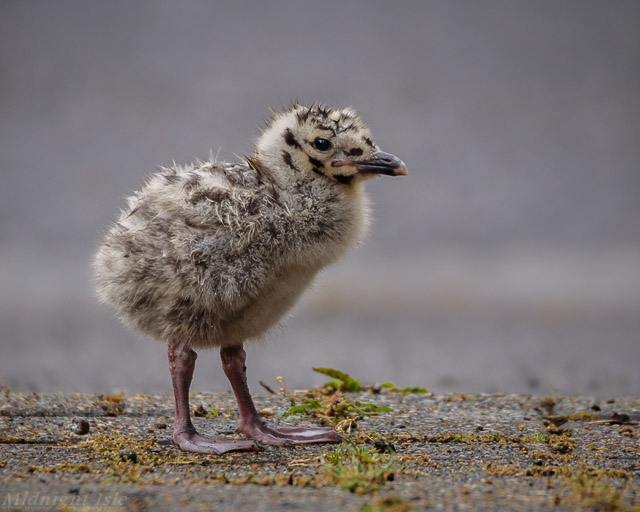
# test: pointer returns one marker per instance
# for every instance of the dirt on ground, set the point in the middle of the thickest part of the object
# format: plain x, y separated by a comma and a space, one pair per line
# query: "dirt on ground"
406, 449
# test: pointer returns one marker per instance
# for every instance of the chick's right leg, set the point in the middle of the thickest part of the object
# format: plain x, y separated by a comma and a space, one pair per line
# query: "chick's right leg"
182, 362
251, 425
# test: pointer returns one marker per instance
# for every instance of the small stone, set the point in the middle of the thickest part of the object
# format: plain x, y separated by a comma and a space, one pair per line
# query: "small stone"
627, 431
160, 425
80, 426
127, 454
620, 418
596, 408
200, 412
384, 446
556, 420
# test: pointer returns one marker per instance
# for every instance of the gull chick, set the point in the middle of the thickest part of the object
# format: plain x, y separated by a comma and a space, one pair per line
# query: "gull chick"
213, 254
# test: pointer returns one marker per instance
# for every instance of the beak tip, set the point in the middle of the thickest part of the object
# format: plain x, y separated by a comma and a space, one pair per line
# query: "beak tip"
397, 166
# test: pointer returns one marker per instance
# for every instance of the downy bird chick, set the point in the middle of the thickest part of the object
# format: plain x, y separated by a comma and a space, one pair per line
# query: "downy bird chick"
213, 254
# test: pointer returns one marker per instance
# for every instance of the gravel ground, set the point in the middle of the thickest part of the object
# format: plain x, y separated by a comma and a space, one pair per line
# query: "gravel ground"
435, 452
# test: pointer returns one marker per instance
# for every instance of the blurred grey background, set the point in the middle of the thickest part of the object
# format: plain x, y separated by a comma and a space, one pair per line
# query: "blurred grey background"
509, 260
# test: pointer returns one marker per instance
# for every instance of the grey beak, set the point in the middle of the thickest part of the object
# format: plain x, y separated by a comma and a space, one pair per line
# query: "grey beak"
380, 163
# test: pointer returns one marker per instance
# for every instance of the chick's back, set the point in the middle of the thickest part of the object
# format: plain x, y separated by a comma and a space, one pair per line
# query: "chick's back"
194, 247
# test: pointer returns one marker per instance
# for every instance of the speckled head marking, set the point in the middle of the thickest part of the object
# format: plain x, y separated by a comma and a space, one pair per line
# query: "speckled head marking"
323, 143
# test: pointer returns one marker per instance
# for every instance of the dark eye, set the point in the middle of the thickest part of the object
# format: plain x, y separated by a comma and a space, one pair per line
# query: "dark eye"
322, 144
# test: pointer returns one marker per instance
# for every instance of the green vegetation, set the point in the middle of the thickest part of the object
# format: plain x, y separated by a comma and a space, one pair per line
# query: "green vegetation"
414, 389
344, 382
329, 404
561, 443
595, 491
358, 469
470, 438
308, 407
341, 381
535, 438
333, 409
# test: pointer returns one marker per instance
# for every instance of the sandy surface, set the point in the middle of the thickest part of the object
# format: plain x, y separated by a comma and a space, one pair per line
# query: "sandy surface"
452, 452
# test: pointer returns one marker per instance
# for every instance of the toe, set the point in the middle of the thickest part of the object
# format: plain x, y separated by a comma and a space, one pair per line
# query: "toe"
288, 436
196, 443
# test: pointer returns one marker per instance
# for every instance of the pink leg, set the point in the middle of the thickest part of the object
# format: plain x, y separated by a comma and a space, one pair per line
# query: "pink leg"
251, 425
182, 362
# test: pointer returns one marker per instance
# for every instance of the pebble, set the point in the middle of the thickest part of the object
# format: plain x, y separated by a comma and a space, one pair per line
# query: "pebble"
383, 446
80, 426
127, 454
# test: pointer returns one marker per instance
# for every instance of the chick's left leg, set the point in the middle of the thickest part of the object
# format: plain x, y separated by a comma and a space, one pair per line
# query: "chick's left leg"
251, 424
182, 361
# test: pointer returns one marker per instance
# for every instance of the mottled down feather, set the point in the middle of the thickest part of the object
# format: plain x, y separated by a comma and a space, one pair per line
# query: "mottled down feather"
216, 253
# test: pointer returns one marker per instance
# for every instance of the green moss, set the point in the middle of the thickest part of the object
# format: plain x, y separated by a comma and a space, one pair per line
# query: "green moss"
106, 458
16, 440
594, 490
561, 443
470, 438
358, 469
578, 473
582, 416
342, 381
535, 438
417, 390
331, 409
308, 407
